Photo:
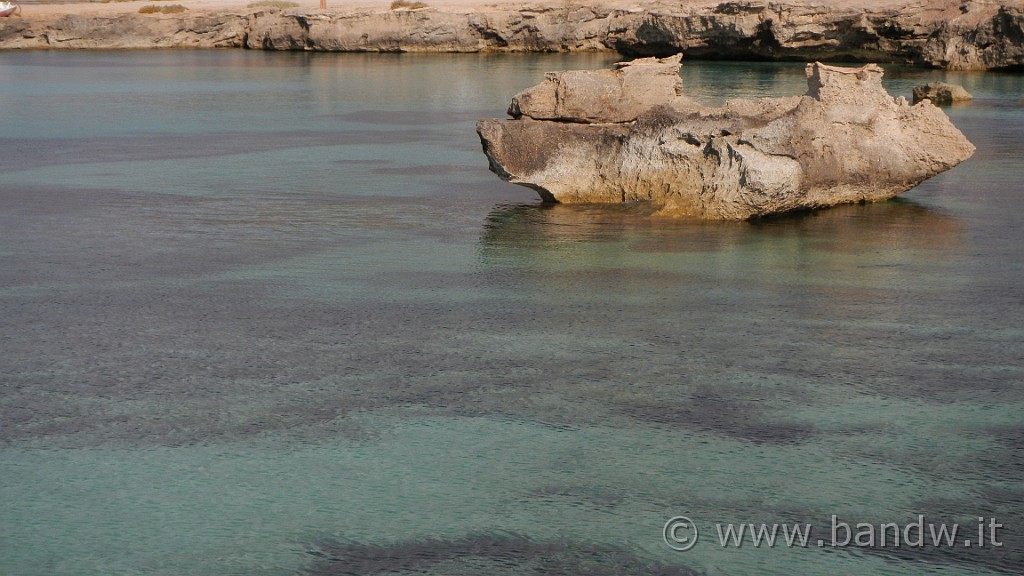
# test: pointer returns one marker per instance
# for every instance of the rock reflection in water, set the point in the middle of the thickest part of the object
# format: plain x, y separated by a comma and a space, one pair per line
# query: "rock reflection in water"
521, 229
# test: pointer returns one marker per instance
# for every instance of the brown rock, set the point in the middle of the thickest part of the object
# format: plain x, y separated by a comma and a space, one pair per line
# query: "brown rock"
845, 141
604, 95
988, 34
129, 31
941, 94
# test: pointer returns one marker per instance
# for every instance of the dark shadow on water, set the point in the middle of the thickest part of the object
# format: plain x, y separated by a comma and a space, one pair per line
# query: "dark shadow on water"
1003, 506
882, 223
483, 554
575, 494
728, 414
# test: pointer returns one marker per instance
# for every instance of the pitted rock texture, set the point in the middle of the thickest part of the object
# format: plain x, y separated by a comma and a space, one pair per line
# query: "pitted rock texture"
951, 34
846, 140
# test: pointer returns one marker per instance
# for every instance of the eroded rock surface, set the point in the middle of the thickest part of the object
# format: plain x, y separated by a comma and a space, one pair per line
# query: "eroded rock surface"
846, 140
126, 31
617, 95
951, 34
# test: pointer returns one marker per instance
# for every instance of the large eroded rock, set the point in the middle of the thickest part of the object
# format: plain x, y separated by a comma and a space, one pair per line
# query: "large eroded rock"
846, 140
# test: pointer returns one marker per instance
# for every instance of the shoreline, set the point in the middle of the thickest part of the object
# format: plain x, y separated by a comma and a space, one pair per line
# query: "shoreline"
949, 34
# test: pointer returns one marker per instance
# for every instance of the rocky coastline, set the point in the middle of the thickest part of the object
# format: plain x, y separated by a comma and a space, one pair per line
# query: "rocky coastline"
954, 35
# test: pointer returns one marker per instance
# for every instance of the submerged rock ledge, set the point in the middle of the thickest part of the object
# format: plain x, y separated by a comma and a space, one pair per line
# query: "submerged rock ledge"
952, 34
630, 134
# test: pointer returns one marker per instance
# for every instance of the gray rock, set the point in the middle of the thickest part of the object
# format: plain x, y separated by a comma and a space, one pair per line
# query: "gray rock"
941, 94
845, 141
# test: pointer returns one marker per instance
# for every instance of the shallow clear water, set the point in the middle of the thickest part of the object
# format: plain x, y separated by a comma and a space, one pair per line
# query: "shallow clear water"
270, 314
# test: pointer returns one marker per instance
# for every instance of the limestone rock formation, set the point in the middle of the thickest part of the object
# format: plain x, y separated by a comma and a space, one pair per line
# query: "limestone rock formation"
617, 95
951, 34
941, 94
126, 31
846, 140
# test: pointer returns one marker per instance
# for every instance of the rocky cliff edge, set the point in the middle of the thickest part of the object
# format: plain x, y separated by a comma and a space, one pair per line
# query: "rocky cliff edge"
952, 34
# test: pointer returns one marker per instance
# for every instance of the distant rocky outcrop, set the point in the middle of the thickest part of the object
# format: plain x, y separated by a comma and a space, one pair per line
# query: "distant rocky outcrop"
941, 94
951, 34
846, 140
126, 31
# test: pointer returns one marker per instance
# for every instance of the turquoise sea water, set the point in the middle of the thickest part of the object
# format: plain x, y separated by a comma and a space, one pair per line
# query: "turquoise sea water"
270, 314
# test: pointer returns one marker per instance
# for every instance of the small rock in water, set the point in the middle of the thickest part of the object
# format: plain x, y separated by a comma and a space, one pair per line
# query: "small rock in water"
941, 94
